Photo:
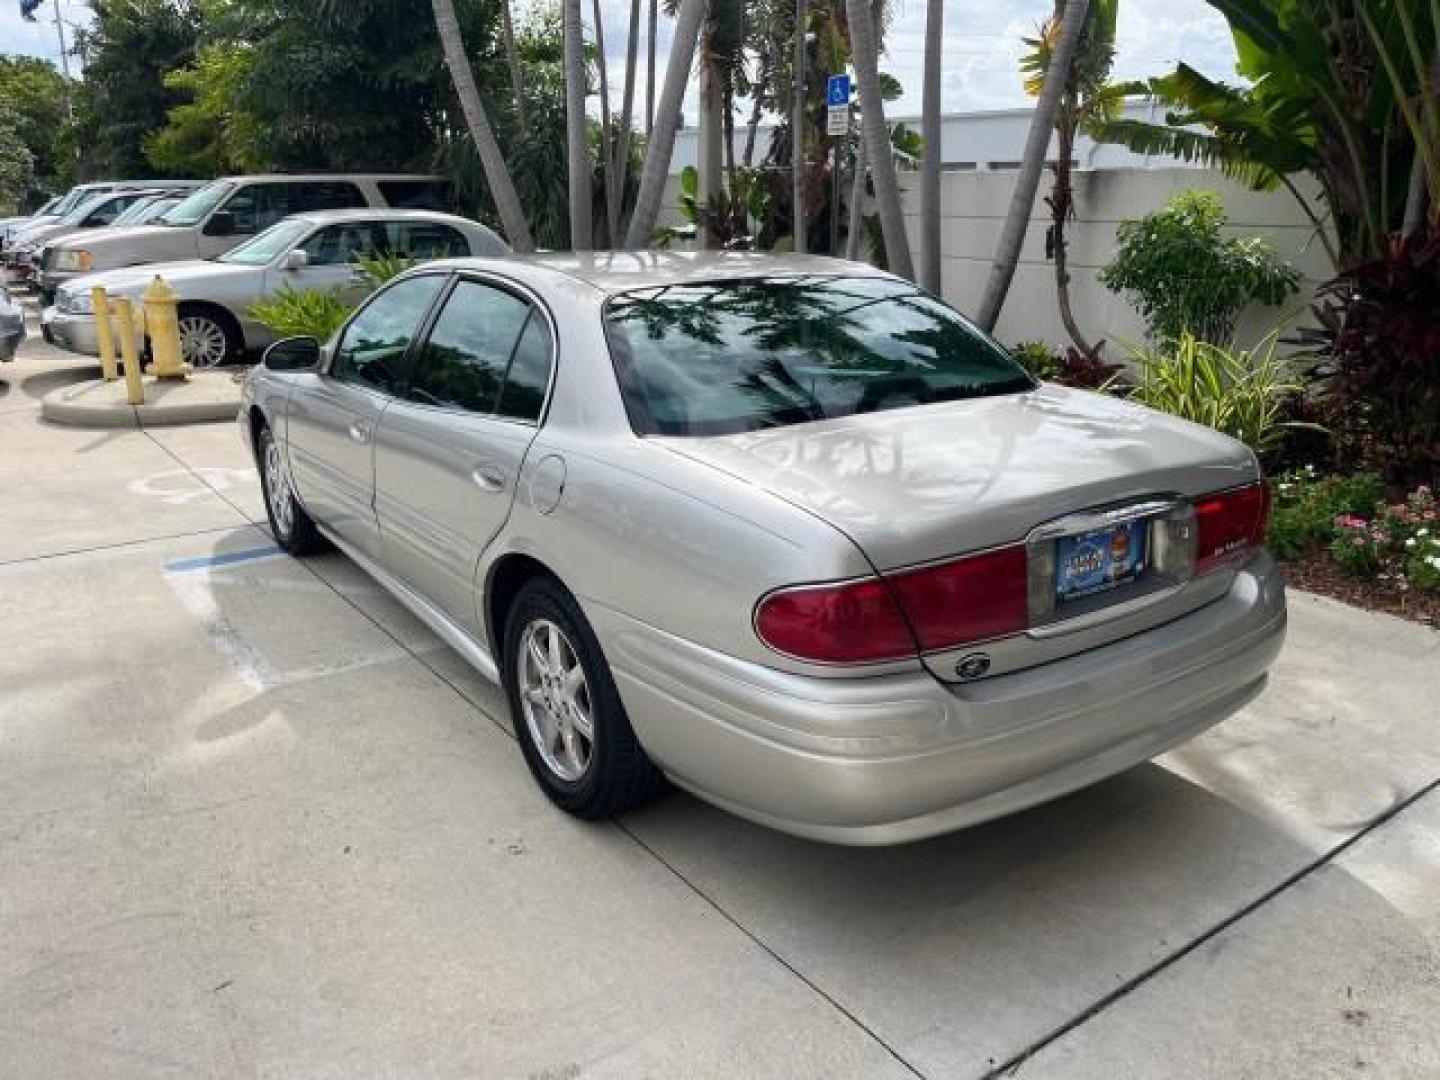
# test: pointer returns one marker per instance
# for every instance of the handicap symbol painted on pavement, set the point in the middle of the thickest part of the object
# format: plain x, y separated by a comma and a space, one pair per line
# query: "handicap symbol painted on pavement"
179, 486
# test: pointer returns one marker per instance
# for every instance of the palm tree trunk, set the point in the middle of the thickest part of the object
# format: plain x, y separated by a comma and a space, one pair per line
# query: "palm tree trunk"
1022, 200
627, 107
752, 128
930, 166
497, 175
512, 59
667, 122
607, 134
1314, 219
577, 153
864, 48
1416, 197
650, 68
799, 218
1062, 199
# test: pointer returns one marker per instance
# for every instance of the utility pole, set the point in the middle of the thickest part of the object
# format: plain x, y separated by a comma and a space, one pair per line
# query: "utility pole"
65, 67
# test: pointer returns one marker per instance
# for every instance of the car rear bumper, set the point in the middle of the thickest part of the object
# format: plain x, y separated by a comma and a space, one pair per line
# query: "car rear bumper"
73, 332
900, 757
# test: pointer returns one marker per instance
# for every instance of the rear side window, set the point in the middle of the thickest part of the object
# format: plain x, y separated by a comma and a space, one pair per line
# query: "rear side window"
108, 211
417, 194
523, 395
306, 195
421, 240
729, 356
372, 349
463, 362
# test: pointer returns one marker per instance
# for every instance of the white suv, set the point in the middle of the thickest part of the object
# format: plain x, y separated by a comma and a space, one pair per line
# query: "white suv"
228, 211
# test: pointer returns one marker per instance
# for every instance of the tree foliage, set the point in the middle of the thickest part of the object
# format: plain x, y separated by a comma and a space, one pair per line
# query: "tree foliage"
1185, 276
33, 92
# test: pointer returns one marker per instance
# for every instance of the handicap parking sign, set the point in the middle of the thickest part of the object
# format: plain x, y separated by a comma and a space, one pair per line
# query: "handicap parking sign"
837, 90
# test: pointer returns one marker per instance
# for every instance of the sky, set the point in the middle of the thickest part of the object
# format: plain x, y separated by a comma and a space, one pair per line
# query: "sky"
982, 44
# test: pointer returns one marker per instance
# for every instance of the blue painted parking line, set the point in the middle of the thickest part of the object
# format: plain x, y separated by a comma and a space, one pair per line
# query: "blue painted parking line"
222, 560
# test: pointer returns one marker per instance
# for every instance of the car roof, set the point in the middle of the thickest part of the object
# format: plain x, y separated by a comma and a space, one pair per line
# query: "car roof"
620, 271
371, 213
266, 178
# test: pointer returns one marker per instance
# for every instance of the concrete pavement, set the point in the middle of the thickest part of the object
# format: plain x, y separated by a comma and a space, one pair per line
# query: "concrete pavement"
256, 821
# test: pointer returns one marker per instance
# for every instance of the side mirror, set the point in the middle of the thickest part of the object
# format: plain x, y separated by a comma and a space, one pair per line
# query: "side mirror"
295, 259
221, 223
292, 354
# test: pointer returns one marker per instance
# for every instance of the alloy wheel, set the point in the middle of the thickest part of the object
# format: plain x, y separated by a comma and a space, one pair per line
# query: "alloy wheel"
555, 698
277, 488
202, 341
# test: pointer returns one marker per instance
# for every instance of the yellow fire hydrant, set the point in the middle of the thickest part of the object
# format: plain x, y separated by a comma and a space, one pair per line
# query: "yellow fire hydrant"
100, 307
162, 319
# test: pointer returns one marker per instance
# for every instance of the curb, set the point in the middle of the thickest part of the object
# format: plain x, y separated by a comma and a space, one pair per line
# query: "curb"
203, 398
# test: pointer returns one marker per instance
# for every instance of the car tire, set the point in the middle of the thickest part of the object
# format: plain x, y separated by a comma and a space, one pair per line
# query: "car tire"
292, 527
208, 338
591, 775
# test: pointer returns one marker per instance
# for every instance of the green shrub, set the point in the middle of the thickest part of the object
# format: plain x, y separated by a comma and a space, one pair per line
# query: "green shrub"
1039, 359
1183, 273
1239, 392
1304, 507
378, 269
1359, 545
304, 313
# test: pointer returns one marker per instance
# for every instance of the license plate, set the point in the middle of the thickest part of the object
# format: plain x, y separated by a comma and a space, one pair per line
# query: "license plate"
1092, 562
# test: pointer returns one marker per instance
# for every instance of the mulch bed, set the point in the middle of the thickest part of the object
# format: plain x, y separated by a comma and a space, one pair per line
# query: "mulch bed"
1316, 572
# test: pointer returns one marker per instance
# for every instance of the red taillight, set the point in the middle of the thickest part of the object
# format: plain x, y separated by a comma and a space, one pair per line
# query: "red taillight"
1230, 525
851, 623
969, 599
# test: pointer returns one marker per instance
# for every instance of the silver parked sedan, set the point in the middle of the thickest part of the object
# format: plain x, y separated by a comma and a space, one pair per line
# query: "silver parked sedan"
317, 250
787, 531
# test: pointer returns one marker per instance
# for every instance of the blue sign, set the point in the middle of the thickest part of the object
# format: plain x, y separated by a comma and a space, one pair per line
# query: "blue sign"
837, 90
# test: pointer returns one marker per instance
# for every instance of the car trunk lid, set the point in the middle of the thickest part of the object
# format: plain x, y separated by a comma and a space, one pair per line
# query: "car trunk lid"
918, 485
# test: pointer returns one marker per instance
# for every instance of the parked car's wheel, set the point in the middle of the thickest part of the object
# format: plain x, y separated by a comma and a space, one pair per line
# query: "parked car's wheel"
207, 338
571, 724
291, 526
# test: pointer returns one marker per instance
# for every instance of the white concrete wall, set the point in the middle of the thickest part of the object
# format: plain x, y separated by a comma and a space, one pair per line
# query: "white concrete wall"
973, 207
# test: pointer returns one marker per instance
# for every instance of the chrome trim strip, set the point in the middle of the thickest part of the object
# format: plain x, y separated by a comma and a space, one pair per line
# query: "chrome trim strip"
447, 628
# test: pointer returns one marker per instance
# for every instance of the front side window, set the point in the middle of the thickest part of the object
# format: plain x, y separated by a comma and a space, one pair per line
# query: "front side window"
463, 362
729, 356
336, 245
193, 209
255, 207
372, 349
259, 250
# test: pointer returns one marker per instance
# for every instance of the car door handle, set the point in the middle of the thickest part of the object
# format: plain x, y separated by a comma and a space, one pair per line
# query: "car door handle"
488, 477
360, 431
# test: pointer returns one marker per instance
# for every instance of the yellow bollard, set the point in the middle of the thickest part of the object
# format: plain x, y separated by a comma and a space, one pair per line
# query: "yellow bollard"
100, 306
163, 321
125, 320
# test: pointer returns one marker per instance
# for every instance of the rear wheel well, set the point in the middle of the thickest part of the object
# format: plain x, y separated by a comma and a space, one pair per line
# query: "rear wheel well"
507, 577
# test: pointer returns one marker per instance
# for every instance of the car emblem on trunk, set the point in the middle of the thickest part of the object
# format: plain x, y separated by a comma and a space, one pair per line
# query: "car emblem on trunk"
972, 666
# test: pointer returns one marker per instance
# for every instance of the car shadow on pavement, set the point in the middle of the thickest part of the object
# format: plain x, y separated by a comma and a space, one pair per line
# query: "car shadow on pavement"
966, 950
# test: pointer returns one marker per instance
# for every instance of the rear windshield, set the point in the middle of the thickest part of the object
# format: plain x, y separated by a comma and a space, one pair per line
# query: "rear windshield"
729, 356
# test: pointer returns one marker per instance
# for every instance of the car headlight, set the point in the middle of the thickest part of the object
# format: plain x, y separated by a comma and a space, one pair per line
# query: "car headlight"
75, 303
74, 260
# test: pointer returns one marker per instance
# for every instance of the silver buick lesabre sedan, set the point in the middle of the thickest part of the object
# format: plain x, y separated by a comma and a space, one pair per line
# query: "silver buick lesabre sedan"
787, 531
